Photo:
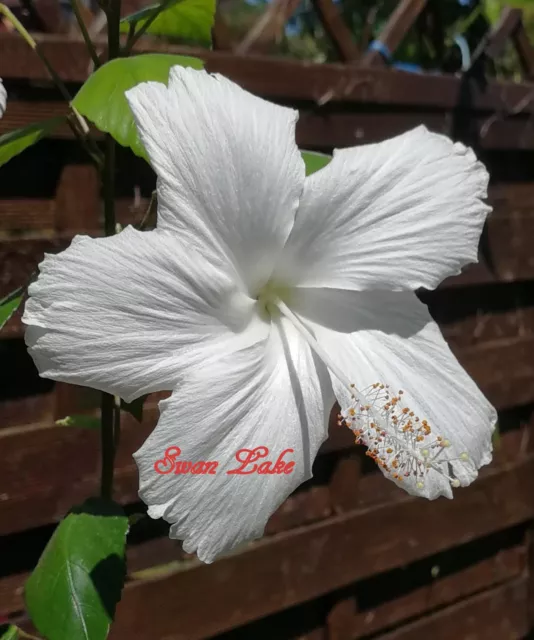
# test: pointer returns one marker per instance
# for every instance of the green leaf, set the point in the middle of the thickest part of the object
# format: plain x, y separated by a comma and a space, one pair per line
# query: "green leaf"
314, 161
188, 20
82, 421
73, 591
9, 305
102, 100
135, 408
9, 632
14, 142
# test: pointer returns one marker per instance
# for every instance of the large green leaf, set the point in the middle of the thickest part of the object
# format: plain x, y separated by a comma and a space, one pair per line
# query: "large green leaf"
14, 142
9, 305
314, 161
102, 100
188, 20
77, 583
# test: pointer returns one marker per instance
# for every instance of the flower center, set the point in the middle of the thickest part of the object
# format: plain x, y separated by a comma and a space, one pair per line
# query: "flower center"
269, 297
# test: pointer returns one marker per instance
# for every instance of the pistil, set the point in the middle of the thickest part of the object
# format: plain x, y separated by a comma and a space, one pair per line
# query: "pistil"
399, 442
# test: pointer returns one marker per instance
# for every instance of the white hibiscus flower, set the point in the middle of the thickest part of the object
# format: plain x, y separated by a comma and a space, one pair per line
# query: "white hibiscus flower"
3, 98
261, 295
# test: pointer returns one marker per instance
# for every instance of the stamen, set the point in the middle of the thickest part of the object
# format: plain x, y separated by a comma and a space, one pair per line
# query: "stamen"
400, 443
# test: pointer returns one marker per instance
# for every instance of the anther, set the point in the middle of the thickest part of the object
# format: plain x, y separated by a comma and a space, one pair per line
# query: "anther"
398, 441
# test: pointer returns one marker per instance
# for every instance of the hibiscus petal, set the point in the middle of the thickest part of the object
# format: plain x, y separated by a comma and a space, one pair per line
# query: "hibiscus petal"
127, 314
273, 394
395, 342
229, 171
404, 213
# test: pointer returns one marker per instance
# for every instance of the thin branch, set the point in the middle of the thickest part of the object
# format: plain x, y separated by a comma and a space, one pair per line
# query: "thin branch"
148, 213
78, 124
85, 34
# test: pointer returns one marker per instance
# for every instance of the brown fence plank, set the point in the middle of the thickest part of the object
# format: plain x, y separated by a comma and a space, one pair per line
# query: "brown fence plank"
23, 113
23, 214
499, 614
346, 623
290, 80
328, 129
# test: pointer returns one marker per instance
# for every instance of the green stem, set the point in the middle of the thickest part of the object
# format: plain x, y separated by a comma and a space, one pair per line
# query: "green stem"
110, 414
78, 124
117, 422
108, 184
114, 18
148, 213
108, 445
87, 38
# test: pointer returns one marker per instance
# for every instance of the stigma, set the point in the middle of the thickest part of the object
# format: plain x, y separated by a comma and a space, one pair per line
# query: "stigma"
400, 443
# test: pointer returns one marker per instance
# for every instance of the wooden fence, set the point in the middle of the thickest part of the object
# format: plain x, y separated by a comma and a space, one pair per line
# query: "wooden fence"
348, 555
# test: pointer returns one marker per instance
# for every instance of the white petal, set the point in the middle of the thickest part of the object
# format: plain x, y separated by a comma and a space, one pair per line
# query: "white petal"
229, 171
127, 314
394, 341
404, 213
3, 98
270, 395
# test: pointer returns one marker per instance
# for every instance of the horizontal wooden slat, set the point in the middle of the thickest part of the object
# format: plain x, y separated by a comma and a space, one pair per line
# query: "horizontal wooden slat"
504, 371
26, 214
330, 129
24, 113
282, 78
499, 614
339, 130
36, 215
345, 622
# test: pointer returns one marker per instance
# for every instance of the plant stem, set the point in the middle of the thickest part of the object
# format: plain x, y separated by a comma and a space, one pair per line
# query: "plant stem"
110, 413
79, 126
108, 445
87, 38
148, 213
108, 184
113, 13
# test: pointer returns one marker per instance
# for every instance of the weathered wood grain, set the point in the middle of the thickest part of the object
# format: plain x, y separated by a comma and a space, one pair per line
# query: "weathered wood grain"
499, 614
345, 622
